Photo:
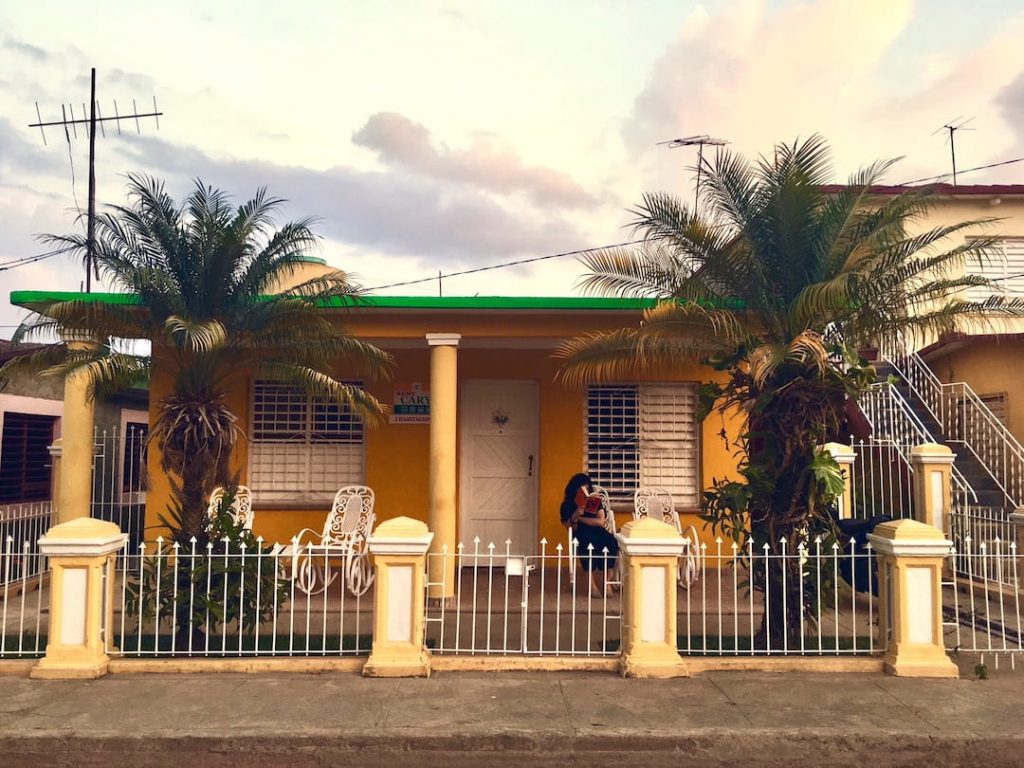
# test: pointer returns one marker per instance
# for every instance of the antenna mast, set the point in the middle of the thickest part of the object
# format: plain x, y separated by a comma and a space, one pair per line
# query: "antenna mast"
699, 142
94, 118
953, 126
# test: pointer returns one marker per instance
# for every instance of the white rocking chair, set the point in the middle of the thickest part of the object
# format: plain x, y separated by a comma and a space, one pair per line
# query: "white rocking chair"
657, 503
241, 507
344, 536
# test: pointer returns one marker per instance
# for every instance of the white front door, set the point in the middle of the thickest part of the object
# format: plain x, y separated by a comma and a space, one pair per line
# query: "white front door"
498, 466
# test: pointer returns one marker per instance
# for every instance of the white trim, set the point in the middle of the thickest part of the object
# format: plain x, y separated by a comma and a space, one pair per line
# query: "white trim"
35, 406
637, 547
443, 339
932, 459
82, 547
910, 547
394, 545
136, 417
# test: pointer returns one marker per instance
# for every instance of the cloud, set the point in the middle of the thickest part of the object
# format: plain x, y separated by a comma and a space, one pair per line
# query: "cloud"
380, 211
18, 154
402, 143
29, 51
754, 74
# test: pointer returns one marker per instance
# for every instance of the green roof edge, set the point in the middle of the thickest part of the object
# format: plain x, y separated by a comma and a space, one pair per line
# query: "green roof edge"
29, 298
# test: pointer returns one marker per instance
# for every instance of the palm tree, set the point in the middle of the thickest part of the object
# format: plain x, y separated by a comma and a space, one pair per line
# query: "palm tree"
777, 285
202, 272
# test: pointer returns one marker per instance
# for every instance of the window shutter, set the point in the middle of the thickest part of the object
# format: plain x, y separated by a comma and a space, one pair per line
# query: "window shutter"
668, 440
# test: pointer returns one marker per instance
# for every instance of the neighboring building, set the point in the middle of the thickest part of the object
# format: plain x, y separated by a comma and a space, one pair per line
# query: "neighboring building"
977, 388
31, 410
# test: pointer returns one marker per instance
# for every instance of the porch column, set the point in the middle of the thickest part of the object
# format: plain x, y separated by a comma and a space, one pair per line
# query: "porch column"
77, 441
443, 467
933, 498
844, 456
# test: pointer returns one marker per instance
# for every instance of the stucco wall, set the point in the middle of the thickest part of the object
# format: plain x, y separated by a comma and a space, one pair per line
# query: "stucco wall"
397, 466
989, 367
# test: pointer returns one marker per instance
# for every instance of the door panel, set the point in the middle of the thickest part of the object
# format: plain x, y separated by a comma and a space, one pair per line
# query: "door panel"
498, 465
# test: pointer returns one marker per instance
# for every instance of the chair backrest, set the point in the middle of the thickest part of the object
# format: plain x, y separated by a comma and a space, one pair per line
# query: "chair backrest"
351, 517
241, 507
656, 504
606, 505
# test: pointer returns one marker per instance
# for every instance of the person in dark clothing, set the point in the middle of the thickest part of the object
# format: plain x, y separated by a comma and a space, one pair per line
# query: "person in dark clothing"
581, 510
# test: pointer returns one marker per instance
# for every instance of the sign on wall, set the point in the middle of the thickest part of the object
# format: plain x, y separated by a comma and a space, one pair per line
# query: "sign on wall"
412, 404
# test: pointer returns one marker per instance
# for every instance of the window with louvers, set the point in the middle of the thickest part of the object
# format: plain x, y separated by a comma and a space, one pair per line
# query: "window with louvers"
25, 457
644, 435
302, 447
1005, 267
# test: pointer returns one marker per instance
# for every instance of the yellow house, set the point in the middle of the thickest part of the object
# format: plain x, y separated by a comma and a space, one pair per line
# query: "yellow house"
482, 436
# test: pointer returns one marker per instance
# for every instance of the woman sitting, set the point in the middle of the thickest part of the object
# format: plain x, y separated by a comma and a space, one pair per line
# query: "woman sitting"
583, 512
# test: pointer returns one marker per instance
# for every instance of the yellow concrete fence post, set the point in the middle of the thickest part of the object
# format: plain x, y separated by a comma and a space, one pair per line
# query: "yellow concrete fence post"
77, 438
81, 554
910, 561
933, 470
399, 547
56, 450
443, 466
650, 552
844, 456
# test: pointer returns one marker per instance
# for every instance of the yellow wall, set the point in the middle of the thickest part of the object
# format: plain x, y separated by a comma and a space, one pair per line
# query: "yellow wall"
989, 367
397, 454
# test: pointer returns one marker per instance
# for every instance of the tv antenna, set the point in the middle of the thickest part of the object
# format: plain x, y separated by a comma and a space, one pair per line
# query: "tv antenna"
959, 124
699, 142
93, 119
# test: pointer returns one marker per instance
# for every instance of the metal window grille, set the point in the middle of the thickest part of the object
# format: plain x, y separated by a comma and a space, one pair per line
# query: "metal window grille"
303, 447
643, 435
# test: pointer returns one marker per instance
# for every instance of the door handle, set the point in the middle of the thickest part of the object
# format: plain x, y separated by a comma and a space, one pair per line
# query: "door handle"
529, 472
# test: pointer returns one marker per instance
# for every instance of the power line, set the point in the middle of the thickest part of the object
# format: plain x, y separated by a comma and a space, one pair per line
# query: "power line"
503, 265
25, 260
968, 170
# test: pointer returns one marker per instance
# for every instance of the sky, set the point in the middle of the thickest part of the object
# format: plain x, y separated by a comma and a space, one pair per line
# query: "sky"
444, 136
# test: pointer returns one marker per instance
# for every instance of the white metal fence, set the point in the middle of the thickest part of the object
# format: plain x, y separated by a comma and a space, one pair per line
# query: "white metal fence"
23, 621
978, 533
881, 480
227, 599
506, 604
119, 479
21, 525
756, 600
982, 604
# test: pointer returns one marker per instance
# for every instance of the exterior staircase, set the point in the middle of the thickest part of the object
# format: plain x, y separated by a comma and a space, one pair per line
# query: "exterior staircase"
987, 492
988, 457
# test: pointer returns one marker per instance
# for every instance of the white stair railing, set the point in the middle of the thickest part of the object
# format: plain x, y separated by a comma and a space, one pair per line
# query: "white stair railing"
964, 418
893, 422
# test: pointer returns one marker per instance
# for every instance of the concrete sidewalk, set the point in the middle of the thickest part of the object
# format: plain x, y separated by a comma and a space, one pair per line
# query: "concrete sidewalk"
487, 719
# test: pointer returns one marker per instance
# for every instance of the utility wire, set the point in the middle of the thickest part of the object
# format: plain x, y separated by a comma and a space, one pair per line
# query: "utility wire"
503, 265
25, 260
960, 173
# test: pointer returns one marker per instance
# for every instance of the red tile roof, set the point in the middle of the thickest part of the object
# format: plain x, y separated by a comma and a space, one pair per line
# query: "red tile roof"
941, 189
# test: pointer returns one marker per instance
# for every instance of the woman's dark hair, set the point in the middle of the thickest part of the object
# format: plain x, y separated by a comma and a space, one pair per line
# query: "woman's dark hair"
576, 482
